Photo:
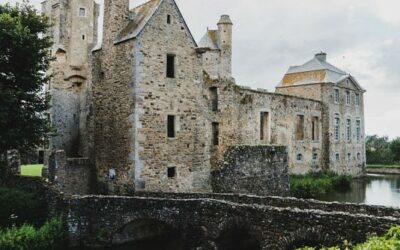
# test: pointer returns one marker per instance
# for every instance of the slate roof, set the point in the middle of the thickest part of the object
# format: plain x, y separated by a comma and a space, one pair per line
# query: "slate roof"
209, 40
330, 73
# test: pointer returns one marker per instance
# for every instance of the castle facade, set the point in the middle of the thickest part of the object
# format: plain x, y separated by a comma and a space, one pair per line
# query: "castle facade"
153, 110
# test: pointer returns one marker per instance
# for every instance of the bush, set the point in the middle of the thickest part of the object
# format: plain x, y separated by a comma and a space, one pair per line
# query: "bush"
391, 240
50, 236
317, 184
19, 207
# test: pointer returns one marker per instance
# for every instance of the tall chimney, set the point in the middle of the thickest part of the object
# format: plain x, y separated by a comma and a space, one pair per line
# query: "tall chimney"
116, 14
321, 56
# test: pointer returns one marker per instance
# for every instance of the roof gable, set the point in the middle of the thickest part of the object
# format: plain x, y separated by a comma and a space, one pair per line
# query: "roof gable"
141, 15
350, 82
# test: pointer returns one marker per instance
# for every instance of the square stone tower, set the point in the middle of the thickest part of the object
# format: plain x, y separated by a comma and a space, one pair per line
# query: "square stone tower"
74, 32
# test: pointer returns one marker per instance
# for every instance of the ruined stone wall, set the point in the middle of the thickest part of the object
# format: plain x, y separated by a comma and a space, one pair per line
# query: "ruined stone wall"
259, 170
355, 165
158, 96
70, 175
239, 115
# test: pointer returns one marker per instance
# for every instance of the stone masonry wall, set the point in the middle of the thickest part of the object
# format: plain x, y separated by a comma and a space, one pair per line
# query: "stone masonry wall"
259, 170
71, 176
239, 117
273, 227
158, 96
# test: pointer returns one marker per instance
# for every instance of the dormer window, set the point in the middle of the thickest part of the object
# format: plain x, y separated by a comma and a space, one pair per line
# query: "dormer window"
82, 12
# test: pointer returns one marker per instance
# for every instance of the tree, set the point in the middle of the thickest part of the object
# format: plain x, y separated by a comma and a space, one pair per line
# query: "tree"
24, 61
395, 148
378, 150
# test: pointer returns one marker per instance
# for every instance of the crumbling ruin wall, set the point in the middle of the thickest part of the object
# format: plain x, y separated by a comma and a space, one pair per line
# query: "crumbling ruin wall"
71, 176
259, 170
240, 118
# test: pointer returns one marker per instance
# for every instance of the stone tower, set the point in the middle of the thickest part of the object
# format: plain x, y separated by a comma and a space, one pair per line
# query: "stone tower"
74, 34
225, 44
116, 14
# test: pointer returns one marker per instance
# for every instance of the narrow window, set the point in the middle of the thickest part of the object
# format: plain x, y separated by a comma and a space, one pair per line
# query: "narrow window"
348, 157
315, 128
170, 66
348, 97
169, 19
264, 126
215, 133
359, 156
337, 157
300, 128
337, 129
336, 96
358, 130
357, 100
348, 130
171, 126
214, 98
82, 12
315, 156
299, 157
171, 172
83, 37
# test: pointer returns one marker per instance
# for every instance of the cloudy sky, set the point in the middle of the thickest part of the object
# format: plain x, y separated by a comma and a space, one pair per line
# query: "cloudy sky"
360, 36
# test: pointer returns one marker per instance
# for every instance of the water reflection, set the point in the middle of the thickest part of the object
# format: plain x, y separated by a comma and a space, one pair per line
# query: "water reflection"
374, 189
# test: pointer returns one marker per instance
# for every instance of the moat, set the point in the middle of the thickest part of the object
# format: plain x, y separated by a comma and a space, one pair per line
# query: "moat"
374, 189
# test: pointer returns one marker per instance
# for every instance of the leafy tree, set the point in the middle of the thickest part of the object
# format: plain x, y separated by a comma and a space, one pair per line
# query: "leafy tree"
395, 148
24, 60
378, 150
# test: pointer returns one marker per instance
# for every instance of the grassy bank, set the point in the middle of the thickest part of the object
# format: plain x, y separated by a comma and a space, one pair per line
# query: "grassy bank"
317, 185
383, 166
32, 170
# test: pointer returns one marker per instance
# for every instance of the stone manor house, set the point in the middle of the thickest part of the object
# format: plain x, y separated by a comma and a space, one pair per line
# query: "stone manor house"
151, 109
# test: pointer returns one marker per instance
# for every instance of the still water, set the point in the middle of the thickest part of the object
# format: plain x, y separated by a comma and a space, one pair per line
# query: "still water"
374, 189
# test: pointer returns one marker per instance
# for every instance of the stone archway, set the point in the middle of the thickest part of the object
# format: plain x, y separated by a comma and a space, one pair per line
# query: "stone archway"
238, 236
148, 234
309, 237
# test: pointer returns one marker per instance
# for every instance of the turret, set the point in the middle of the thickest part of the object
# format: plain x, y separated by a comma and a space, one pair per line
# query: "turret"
116, 14
225, 44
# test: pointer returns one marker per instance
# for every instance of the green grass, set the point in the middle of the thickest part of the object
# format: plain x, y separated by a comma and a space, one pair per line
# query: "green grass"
32, 170
382, 166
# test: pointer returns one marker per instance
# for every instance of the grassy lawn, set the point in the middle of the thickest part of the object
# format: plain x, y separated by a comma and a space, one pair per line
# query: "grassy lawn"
382, 166
31, 170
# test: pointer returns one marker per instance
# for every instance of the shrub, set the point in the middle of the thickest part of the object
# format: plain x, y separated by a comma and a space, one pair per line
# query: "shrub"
391, 240
50, 236
19, 207
315, 185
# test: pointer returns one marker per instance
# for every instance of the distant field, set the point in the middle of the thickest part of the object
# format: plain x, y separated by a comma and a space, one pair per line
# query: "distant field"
31, 170
383, 166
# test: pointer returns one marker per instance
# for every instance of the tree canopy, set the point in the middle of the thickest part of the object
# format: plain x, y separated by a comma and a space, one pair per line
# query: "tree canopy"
24, 60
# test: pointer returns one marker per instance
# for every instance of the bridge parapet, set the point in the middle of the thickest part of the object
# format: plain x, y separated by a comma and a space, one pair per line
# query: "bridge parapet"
202, 221
275, 201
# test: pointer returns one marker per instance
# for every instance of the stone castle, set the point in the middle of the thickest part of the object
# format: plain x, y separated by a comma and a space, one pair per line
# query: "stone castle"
153, 110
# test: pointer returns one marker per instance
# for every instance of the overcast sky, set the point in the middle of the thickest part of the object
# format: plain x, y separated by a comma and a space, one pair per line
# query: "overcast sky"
361, 37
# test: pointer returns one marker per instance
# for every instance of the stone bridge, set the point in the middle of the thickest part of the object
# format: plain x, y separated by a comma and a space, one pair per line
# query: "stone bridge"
222, 221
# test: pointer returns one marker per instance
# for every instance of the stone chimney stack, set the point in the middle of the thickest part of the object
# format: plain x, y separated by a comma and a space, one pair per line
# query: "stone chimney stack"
116, 14
225, 44
321, 56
